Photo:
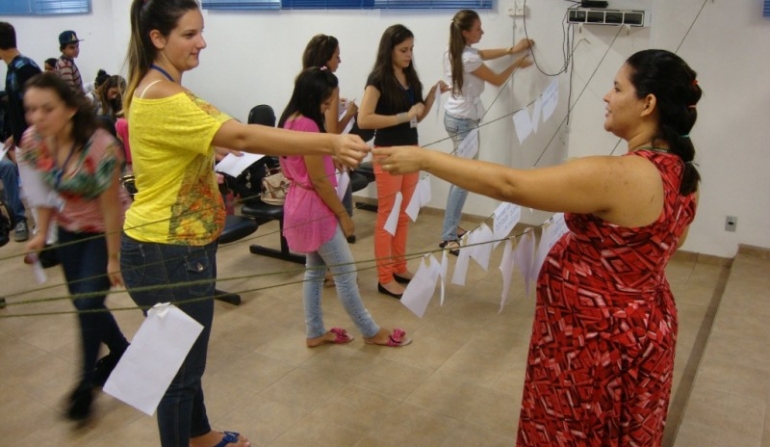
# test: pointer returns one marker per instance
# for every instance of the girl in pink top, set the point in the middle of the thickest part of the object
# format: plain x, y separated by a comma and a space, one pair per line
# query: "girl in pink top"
317, 224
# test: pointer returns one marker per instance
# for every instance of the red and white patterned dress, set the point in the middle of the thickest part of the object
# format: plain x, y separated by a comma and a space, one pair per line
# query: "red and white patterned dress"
601, 357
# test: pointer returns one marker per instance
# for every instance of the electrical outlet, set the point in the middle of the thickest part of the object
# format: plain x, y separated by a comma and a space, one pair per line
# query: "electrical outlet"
731, 223
517, 11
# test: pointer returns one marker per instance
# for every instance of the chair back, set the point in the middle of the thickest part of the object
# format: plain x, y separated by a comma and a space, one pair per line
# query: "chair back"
262, 114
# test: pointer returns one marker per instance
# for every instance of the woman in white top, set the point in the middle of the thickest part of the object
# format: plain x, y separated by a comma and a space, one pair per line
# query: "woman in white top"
466, 72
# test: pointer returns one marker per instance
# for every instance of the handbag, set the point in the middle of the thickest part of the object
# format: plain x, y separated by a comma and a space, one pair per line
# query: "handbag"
274, 188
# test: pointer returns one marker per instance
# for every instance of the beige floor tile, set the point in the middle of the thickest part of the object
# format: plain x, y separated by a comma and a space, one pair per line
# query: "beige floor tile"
317, 431
458, 384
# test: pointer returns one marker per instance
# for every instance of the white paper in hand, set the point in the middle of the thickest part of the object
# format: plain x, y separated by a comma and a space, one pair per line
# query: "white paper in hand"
343, 180
158, 349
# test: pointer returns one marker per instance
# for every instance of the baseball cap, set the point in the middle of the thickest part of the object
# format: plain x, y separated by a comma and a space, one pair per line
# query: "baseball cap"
68, 37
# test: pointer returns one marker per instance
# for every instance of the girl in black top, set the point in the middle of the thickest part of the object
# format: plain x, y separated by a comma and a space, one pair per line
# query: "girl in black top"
393, 104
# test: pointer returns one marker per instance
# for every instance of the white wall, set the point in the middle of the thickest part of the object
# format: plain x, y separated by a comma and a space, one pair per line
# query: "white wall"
252, 58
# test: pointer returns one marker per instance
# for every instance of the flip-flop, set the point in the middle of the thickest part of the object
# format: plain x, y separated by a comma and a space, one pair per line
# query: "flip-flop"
341, 337
230, 437
396, 339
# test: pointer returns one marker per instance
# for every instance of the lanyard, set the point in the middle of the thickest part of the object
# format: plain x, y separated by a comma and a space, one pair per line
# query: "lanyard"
162, 71
409, 95
58, 176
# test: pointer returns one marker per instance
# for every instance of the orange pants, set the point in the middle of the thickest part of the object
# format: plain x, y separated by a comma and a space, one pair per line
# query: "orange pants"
388, 249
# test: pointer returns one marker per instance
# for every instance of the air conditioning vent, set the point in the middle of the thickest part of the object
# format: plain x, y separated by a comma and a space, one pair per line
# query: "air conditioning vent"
606, 17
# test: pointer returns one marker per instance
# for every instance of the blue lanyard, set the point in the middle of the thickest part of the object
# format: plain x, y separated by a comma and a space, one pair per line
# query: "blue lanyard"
410, 95
58, 176
162, 71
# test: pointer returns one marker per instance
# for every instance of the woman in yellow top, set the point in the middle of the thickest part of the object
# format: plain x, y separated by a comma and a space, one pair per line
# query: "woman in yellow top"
171, 228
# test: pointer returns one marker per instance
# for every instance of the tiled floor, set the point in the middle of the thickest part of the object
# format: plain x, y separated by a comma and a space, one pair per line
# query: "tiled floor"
458, 384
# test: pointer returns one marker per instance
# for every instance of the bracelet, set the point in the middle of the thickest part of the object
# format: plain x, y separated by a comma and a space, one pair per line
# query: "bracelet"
402, 117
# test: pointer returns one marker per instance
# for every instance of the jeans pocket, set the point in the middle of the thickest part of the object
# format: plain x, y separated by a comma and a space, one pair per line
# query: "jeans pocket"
200, 274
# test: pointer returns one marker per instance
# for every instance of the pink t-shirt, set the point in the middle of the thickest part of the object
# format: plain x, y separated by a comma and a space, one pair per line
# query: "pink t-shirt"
308, 222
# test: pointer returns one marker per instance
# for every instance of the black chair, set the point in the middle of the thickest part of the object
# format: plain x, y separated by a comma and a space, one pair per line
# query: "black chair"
365, 170
263, 212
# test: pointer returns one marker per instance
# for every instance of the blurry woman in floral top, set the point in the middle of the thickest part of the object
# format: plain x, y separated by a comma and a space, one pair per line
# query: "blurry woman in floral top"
77, 167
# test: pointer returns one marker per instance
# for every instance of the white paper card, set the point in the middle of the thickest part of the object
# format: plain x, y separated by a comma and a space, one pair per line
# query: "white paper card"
461, 266
506, 268
343, 180
522, 124
420, 289
423, 190
443, 269
553, 230
550, 99
483, 245
234, 165
507, 215
470, 145
392, 222
536, 112
523, 256
158, 349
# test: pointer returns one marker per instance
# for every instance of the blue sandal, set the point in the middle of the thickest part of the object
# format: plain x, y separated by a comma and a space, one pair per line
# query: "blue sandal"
231, 437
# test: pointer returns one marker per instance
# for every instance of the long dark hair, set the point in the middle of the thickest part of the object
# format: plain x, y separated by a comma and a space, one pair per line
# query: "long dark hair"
83, 121
111, 107
674, 84
312, 87
319, 51
148, 15
382, 73
462, 21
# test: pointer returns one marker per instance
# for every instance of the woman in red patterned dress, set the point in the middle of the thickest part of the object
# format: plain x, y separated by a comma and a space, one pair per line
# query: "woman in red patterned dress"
601, 357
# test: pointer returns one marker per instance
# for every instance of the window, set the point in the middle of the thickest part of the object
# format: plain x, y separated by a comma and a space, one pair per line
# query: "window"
44, 7
766, 11
347, 4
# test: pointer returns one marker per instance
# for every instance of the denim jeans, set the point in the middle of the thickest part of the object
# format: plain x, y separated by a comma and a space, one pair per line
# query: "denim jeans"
337, 256
9, 174
458, 129
181, 412
84, 261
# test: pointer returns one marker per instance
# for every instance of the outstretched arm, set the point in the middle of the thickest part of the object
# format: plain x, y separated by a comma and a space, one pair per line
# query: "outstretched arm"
610, 187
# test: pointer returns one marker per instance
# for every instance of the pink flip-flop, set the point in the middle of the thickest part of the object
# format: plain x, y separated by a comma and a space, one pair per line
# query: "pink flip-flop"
341, 337
396, 339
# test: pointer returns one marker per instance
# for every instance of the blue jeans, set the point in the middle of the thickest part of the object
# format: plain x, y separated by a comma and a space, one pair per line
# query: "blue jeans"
458, 129
336, 255
181, 412
9, 174
84, 261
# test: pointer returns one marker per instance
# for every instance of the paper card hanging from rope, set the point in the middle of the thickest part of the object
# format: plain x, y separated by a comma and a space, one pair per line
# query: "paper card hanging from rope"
152, 360
550, 98
461, 266
553, 230
522, 124
443, 269
420, 198
523, 255
482, 238
392, 222
507, 215
420, 290
506, 268
469, 146
343, 180
536, 112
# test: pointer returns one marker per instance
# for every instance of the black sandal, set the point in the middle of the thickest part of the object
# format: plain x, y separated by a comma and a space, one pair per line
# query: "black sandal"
452, 246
